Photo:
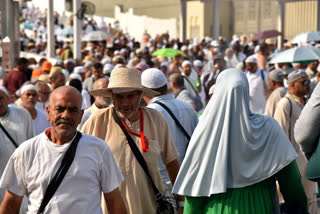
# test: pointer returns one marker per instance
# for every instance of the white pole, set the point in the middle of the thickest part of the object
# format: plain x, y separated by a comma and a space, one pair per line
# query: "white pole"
281, 21
183, 20
10, 31
216, 19
50, 30
76, 30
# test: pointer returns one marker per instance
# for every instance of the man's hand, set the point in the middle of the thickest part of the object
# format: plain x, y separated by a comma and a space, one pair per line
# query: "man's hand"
11, 203
114, 201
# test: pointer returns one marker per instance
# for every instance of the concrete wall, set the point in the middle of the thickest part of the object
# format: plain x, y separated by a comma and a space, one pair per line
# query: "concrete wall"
153, 8
300, 17
200, 19
136, 25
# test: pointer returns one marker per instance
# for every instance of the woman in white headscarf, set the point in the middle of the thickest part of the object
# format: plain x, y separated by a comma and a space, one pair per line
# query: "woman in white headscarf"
234, 156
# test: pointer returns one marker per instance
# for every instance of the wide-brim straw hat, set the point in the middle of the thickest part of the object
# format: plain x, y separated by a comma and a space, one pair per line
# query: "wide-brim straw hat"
124, 78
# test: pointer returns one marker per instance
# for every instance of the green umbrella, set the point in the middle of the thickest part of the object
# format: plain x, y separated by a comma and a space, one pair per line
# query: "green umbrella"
167, 52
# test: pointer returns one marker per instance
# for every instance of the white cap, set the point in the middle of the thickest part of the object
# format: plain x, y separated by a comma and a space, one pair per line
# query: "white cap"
79, 70
75, 76
70, 60
123, 50
184, 48
107, 68
105, 61
252, 59
197, 63
153, 78
166, 64
29, 87
186, 62
89, 63
116, 52
4, 90
214, 43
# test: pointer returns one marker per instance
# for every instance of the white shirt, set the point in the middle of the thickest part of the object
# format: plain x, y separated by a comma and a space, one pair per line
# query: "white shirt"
40, 122
35, 162
188, 119
86, 114
19, 124
256, 91
86, 101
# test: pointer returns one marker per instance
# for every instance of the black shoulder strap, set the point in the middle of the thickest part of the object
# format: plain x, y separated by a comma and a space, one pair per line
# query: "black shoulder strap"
175, 119
8, 135
138, 155
289, 115
195, 91
62, 171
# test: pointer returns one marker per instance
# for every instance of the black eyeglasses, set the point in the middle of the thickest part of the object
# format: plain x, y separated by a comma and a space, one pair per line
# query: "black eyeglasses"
305, 82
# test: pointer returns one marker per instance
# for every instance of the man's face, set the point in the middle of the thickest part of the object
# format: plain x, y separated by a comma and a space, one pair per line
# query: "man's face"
220, 64
251, 67
44, 92
60, 81
313, 65
302, 86
270, 83
187, 69
4, 101
64, 113
97, 73
29, 99
127, 104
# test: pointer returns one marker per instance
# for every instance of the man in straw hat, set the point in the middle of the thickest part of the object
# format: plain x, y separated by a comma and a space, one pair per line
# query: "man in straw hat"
149, 131
287, 112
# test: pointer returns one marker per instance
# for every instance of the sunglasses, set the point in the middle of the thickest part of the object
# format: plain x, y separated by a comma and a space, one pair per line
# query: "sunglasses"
305, 82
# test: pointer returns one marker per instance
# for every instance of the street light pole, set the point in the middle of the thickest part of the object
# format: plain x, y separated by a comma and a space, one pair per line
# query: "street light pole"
76, 30
50, 30
216, 19
183, 20
281, 21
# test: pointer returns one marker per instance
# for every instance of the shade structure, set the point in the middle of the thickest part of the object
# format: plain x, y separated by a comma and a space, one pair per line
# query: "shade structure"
167, 52
297, 55
306, 37
97, 36
266, 34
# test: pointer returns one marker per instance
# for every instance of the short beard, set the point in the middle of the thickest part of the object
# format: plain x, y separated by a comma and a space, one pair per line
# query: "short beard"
132, 114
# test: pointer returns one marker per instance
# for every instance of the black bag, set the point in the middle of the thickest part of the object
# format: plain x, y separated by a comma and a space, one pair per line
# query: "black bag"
62, 171
164, 206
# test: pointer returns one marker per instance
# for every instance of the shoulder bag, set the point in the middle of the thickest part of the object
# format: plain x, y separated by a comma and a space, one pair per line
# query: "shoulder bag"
164, 206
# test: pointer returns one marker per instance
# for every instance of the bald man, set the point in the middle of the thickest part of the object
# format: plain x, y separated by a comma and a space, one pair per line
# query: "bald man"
37, 160
99, 102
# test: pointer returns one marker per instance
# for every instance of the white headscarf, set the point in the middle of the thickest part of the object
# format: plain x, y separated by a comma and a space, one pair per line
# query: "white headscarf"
232, 147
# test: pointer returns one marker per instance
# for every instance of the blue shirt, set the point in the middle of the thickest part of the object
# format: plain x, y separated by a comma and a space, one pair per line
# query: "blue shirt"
186, 116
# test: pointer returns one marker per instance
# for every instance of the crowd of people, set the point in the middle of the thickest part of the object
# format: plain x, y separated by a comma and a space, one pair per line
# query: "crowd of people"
215, 128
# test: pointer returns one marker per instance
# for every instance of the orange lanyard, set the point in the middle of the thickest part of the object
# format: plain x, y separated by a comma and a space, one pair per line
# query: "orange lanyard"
144, 139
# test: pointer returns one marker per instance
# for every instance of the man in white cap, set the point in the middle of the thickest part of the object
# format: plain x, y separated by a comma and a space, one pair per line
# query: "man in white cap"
29, 97
44, 93
154, 79
100, 102
16, 127
86, 99
81, 71
258, 85
149, 132
287, 112
192, 81
275, 79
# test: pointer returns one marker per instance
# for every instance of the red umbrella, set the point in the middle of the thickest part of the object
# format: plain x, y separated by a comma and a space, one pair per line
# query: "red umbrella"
266, 34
